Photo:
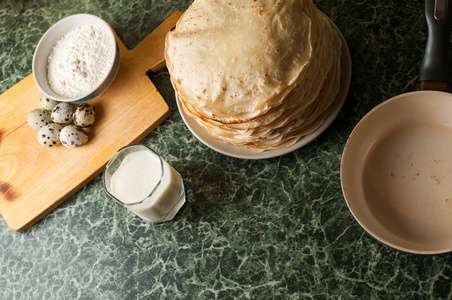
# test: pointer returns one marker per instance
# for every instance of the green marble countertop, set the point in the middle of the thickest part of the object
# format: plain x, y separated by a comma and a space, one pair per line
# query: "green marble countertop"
261, 229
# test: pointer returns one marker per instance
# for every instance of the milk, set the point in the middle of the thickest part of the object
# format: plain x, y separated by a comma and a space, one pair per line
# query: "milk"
136, 177
145, 184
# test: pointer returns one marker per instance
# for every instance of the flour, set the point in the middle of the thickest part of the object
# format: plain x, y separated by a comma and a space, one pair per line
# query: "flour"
79, 61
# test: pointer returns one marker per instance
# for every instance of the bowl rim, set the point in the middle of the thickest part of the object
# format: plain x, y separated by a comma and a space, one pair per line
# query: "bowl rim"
112, 63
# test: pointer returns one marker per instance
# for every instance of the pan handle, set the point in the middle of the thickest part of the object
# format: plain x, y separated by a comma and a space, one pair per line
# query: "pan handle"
436, 65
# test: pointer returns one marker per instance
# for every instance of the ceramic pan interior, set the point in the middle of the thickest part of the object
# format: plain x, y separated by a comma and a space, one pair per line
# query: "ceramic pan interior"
396, 172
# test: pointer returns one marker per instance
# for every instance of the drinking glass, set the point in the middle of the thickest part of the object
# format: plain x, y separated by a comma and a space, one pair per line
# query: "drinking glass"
129, 173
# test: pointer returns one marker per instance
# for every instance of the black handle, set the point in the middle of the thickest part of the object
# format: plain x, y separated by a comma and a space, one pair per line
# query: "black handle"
437, 62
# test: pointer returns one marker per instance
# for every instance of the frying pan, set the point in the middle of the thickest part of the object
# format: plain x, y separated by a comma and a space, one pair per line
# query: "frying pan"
396, 168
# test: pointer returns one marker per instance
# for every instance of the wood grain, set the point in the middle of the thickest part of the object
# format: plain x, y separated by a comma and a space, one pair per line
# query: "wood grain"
435, 86
34, 180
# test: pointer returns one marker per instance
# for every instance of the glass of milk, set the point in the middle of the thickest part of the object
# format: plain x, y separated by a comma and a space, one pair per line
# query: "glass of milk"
143, 182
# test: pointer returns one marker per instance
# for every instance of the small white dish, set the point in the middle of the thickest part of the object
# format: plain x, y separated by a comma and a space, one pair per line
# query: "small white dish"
45, 46
234, 151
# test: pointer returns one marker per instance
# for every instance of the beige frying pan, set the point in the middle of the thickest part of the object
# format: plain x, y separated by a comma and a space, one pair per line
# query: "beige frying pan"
396, 168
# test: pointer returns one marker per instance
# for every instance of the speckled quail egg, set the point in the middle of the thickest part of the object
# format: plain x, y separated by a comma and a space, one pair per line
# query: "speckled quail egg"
47, 103
84, 115
49, 135
62, 113
73, 136
38, 118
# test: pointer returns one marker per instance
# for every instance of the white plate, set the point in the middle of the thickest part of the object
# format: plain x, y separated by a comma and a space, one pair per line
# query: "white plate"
234, 151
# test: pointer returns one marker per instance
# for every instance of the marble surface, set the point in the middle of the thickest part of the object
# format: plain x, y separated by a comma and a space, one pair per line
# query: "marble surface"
260, 229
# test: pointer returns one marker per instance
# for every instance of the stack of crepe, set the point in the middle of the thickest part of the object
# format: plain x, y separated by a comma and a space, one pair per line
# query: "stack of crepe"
258, 74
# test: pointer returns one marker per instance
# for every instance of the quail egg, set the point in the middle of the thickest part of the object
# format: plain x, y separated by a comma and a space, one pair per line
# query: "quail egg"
49, 135
38, 118
73, 136
62, 113
84, 115
47, 103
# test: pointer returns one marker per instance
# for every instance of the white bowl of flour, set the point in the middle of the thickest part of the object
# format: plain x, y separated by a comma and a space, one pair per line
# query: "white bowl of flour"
76, 59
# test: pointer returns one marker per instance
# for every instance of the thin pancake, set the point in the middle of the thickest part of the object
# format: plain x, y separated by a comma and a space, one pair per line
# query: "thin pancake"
270, 76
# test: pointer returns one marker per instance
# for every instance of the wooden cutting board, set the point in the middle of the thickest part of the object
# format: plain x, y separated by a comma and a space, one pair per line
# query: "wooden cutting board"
34, 180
